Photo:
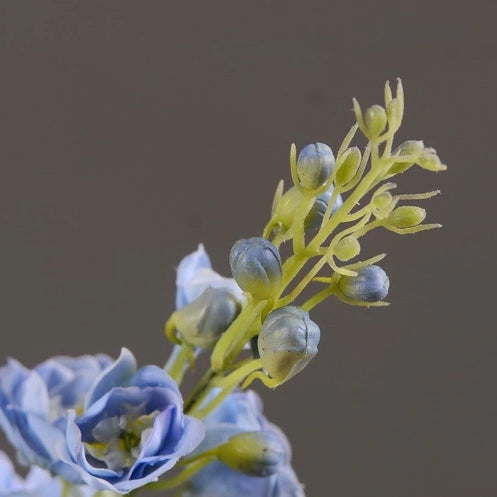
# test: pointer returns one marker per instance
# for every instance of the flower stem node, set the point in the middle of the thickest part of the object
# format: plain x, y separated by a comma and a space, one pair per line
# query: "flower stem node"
370, 285
256, 267
288, 340
406, 216
204, 320
315, 165
375, 119
254, 453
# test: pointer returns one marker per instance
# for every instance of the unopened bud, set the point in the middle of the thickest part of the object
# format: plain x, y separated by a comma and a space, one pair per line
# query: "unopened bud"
347, 248
202, 321
370, 285
318, 209
382, 204
394, 113
412, 148
288, 340
406, 216
314, 165
255, 453
288, 204
256, 266
429, 160
347, 168
375, 119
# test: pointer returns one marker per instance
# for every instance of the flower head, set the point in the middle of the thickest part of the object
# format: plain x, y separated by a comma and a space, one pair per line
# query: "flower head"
129, 429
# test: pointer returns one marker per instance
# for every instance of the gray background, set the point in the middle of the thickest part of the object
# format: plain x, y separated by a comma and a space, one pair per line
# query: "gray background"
131, 131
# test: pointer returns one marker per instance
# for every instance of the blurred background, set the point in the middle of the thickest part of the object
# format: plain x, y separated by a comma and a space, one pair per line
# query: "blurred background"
132, 131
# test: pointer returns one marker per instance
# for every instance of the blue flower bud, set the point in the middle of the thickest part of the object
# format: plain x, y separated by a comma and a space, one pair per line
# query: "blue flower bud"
370, 285
201, 322
314, 165
318, 209
287, 341
255, 453
256, 266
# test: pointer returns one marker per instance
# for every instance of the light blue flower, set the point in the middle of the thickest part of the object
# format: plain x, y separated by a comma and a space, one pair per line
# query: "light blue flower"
38, 483
241, 412
29, 400
128, 430
194, 275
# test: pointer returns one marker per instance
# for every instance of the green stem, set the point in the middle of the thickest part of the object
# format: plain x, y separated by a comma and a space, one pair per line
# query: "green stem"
227, 385
199, 389
182, 477
235, 337
178, 362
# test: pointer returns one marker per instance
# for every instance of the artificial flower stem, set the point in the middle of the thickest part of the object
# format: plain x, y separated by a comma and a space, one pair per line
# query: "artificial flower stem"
227, 385
179, 361
236, 334
184, 476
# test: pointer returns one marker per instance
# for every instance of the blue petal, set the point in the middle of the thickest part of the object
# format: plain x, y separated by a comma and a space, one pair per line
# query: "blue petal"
187, 268
115, 375
153, 376
33, 396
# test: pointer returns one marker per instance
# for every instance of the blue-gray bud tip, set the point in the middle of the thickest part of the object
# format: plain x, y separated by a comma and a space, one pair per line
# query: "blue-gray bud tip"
318, 209
256, 266
370, 285
314, 165
288, 340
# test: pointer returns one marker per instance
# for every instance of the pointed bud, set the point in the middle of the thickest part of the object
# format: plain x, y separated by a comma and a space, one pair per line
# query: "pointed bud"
375, 119
255, 453
347, 168
256, 266
347, 248
201, 322
314, 165
429, 160
370, 285
406, 216
412, 148
288, 340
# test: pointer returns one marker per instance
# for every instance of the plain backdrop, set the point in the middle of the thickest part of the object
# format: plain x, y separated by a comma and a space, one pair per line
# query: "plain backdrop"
132, 131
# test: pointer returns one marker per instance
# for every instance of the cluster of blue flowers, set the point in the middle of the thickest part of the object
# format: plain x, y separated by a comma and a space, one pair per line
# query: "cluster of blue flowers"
92, 426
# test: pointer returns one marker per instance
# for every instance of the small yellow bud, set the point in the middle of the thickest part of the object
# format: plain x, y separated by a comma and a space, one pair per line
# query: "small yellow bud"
429, 160
347, 248
382, 204
394, 113
375, 120
347, 168
412, 148
254, 453
406, 216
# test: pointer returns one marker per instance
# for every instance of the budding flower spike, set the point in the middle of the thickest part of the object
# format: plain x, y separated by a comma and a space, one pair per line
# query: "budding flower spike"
107, 427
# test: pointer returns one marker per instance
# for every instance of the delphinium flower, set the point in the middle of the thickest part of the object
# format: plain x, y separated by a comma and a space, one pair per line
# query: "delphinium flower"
117, 432
115, 428
38, 483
